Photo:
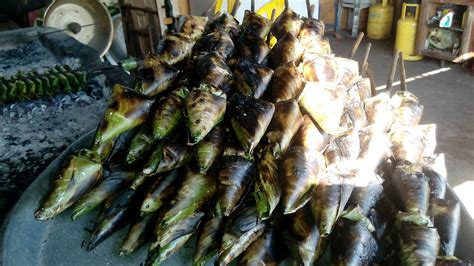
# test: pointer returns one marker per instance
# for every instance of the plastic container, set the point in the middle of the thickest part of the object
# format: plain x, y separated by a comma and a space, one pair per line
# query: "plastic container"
406, 33
380, 20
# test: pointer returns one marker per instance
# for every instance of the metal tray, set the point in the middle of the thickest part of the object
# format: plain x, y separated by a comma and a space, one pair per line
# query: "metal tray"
60, 241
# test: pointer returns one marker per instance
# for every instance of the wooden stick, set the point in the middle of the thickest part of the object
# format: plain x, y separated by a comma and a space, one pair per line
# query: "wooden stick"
356, 45
252, 5
367, 52
393, 69
210, 10
403, 77
371, 77
236, 6
272, 18
287, 4
308, 8
311, 12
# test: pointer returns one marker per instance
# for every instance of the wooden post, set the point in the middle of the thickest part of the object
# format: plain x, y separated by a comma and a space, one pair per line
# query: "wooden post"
371, 77
356, 45
308, 8
287, 4
393, 69
403, 84
236, 6
252, 5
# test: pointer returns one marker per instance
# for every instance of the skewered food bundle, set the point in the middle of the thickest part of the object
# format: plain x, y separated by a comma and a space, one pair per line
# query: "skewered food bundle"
262, 155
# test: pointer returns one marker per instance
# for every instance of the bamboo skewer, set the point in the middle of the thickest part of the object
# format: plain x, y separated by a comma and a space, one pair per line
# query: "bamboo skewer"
208, 11
252, 5
236, 6
403, 84
356, 45
371, 77
393, 69
308, 8
287, 4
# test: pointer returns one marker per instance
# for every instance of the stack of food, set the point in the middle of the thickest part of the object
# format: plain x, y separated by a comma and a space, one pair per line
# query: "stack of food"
263, 154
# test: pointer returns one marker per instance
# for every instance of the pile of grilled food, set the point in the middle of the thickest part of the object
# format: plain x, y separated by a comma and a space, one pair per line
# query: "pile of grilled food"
264, 154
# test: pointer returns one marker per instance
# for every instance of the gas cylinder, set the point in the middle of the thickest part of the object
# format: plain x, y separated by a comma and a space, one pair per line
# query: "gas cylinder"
379, 24
406, 32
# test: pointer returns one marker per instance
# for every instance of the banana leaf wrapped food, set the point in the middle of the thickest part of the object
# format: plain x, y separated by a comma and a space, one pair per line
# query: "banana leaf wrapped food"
108, 188
256, 24
324, 103
251, 79
267, 184
354, 116
192, 26
322, 68
408, 110
446, 218
242, 229
452, 261
115, 214
287, 49
366, 193
287, 22
224, 22
362, 86
352, 242
268, 249
127, 110
348, 71
412, 143
418, 242
311, 27
213, 70
286, 121
140, 146
315, 45
330, 197
374, 147
434, 168
168, 156
3, 92
172, 238
343, 148
286, 84
159, 192
236, 175
205, 108
411, 188
174, 48
251, 46
299, 176
138, 234
208, 238
302, 237
155, 76
77, 176
250, 119
169, 115
310, 137
208, 149
218, 41
379, 111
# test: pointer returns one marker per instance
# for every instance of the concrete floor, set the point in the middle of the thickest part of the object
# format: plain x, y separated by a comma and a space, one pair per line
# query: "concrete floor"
447, 95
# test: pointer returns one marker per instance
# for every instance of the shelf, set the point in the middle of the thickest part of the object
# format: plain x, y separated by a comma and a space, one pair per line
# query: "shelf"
455, 2
438, 54
450, 28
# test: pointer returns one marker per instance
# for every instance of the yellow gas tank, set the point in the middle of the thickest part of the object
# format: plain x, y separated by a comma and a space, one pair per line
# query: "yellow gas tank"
406, 33
379, 24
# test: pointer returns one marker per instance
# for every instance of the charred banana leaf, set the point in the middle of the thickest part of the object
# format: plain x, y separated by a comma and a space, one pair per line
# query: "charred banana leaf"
302, 237
287, 49
138, 234
205, 107
354, 116
299, 176
224, 22
324, 103
208, 239
107, 189
452, 261
329, 200
213, 70
287, 22
366, 193
240, 232
322, 68
210, 148
286, 84
434, 168
256, 24
268, 249
267, 184
113, 216
168, 233
127, 110
192, 26
310, 137
77, 176
174, 48
353, 243
236, 175
140, 146
159, 192
219, 41
159, 254
155, 77
344, 148
251, 46
409, 143
194, 193
411, 187
250, 119
251, 79
311, 27
348, 71
167, 157
446, 217
408, 110
374, 147
316, 45
379, 111
169, 115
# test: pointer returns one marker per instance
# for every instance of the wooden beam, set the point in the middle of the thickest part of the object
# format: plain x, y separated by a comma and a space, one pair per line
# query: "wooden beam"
393, 69
403, 75
356, 45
